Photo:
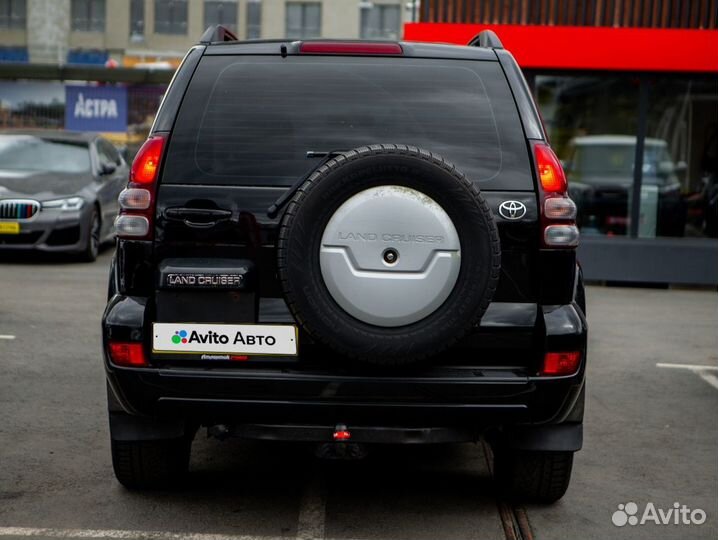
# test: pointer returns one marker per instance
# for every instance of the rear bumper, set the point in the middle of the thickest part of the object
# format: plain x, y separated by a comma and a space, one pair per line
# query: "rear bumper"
465, 398
479, 399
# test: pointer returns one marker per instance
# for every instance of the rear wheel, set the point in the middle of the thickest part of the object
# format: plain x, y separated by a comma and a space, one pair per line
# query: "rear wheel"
157, 464
533, 476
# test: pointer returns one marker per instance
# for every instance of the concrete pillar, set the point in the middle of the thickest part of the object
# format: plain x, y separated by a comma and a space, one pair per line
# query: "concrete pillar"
48, 31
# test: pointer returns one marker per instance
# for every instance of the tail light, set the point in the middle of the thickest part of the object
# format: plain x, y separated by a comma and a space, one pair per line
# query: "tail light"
137, 201
127, 354
558, 211
561, 363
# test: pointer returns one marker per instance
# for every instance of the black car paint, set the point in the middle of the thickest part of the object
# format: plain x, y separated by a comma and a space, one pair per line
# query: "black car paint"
489, 381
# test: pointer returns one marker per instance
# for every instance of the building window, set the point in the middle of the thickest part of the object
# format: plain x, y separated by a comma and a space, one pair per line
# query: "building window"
381, 21
254, 19
88, 15
171, 16
303, 20
13, 14
137, 20
224, 13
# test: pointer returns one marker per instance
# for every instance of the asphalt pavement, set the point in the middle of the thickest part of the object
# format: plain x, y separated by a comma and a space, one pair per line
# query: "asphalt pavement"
651, 438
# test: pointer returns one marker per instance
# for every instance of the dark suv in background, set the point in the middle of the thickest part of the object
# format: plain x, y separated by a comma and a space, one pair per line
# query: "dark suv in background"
347, 242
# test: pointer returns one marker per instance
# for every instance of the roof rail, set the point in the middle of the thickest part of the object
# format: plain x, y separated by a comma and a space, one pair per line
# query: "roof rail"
217, 33
486, 38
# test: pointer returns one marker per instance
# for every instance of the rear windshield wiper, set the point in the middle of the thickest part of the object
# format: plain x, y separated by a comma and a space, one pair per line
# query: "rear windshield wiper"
273, 210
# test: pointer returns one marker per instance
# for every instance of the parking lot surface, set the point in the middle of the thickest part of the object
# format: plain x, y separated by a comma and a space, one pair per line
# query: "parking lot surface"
651, 437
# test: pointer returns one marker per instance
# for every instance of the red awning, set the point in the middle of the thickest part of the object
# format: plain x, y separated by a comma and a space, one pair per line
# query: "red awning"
588, 48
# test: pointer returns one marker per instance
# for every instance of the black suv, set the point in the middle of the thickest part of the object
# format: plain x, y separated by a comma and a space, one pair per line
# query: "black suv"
347, 242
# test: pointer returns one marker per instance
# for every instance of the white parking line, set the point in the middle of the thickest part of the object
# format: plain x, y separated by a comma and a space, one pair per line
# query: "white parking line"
6, 336
692, 367
116, 534
312, 509
700, 370
709, 378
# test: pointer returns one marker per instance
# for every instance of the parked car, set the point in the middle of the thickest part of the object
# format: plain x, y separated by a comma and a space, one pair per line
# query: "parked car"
347, 242
600, 173
58, 191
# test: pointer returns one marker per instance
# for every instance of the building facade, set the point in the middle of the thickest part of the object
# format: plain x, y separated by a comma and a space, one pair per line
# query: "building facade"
150, 31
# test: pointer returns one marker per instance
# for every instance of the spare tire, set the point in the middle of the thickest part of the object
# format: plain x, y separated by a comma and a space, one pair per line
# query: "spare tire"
388, 255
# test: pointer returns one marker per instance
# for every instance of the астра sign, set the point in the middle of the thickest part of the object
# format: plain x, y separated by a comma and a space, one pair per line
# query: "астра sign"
96, 108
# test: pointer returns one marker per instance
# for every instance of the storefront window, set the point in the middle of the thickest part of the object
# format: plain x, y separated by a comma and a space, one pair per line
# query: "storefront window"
681, 183
592, 124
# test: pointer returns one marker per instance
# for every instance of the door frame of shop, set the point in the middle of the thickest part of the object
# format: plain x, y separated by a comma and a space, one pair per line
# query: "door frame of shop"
679, 260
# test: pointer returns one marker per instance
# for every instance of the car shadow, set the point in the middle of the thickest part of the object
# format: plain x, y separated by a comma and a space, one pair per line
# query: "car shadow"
45, 258
253, 480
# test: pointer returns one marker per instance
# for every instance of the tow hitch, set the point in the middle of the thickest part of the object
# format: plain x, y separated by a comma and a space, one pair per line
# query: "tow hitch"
341, 449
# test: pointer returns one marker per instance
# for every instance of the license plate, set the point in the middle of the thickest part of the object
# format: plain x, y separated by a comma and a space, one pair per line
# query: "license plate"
8, 227
260, 339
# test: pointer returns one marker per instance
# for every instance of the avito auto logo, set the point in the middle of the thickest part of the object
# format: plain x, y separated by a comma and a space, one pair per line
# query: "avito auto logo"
179, 337
216, 338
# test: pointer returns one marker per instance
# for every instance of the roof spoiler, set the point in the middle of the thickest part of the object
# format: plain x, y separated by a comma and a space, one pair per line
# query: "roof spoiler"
217, 33
486, 38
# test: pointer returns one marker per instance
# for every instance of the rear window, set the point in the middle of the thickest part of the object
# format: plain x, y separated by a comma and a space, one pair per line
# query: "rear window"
252, 120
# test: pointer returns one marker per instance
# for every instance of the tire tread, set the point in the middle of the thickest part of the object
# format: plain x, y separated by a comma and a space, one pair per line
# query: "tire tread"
533, 476
150, 464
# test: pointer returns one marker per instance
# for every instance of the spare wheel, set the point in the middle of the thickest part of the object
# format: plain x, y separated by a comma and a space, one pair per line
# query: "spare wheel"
388, 255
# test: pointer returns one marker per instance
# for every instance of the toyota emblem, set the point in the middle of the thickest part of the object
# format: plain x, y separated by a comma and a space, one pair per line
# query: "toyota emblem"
512, 209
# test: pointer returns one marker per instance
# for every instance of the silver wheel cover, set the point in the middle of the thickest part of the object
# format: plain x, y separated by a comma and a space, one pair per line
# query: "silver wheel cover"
379, 225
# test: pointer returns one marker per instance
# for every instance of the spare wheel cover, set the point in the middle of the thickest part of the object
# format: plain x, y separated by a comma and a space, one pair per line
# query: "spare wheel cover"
390, 256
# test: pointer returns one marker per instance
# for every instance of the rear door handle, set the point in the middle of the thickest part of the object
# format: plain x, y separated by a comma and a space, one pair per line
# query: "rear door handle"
198, 218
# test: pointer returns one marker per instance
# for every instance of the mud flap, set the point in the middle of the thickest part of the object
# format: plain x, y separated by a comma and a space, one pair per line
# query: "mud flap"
566, 437
125, 427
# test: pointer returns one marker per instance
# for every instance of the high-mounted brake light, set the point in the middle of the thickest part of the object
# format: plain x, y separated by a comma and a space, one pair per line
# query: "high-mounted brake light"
561, 363
550, 171
127, 354
351, 48
146, 164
